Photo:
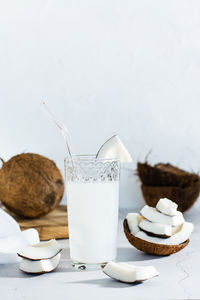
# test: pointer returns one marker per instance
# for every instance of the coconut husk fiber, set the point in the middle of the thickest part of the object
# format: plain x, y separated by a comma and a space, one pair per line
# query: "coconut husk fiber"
165, 175
31, 185
151, 248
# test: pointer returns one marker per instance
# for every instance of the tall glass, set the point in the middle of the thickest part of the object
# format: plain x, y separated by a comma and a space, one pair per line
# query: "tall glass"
92, 187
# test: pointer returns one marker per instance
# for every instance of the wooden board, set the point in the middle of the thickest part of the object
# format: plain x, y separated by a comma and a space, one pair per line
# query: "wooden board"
52, 226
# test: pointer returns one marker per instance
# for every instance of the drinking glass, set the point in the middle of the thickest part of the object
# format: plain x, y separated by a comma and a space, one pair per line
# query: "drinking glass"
92, 187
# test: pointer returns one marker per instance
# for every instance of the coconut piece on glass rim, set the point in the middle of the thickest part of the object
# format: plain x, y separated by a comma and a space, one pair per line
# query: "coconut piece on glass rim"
42, 250
167, 207
153, 215
114, 148
39, 266
129, 273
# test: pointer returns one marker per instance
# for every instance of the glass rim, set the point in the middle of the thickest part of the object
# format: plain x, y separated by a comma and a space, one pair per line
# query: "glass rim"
89, 157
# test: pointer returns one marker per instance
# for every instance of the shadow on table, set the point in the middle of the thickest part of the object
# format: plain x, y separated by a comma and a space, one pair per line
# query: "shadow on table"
107, 283
131, 254
12, 271
123, 255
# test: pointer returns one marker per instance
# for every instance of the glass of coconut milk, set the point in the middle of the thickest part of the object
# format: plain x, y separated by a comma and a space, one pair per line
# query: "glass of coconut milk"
92, 187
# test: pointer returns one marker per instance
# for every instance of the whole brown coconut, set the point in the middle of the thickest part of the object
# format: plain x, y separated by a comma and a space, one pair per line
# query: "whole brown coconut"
31, 185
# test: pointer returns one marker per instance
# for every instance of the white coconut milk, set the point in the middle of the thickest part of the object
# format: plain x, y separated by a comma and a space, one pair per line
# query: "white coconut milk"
93, 220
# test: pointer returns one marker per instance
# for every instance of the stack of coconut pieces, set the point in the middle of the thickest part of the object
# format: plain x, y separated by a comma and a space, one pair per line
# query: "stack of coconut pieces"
36, 257
162, 225
40, 258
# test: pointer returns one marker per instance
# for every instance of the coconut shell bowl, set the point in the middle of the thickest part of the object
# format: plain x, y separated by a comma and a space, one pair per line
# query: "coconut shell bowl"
167, 181
151, 248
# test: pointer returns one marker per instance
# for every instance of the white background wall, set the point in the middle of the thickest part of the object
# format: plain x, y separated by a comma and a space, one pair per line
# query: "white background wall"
123, 66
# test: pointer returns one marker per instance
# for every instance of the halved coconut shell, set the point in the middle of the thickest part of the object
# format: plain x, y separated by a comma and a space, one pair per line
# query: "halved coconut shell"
184, 197
165, 175
151, 248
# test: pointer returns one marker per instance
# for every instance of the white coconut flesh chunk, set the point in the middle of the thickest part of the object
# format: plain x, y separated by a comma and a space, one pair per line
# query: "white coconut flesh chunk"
142, 272
42, 250
8, 225
39, 266
153, 215
180, 237
156, 228
167, 207
114, 148
129, 273
175, 229
133, 220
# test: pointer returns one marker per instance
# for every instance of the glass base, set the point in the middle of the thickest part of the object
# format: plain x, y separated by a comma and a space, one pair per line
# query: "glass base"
87, 267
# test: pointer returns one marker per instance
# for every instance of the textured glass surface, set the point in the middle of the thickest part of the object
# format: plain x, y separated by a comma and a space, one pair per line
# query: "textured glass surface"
83, 168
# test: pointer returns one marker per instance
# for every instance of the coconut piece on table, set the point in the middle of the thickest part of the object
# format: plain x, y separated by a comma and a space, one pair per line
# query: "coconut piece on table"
153, 215
39, 266
156, 229
42, 250
129, 273
181, 236
133, 220
167, 207
142, 272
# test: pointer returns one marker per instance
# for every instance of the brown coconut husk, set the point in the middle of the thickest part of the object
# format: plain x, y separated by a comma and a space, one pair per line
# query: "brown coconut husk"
151, 248
184, 197
165, 175
31, 185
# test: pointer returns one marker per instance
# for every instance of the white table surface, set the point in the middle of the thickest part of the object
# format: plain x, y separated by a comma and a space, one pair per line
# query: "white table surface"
179, 275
